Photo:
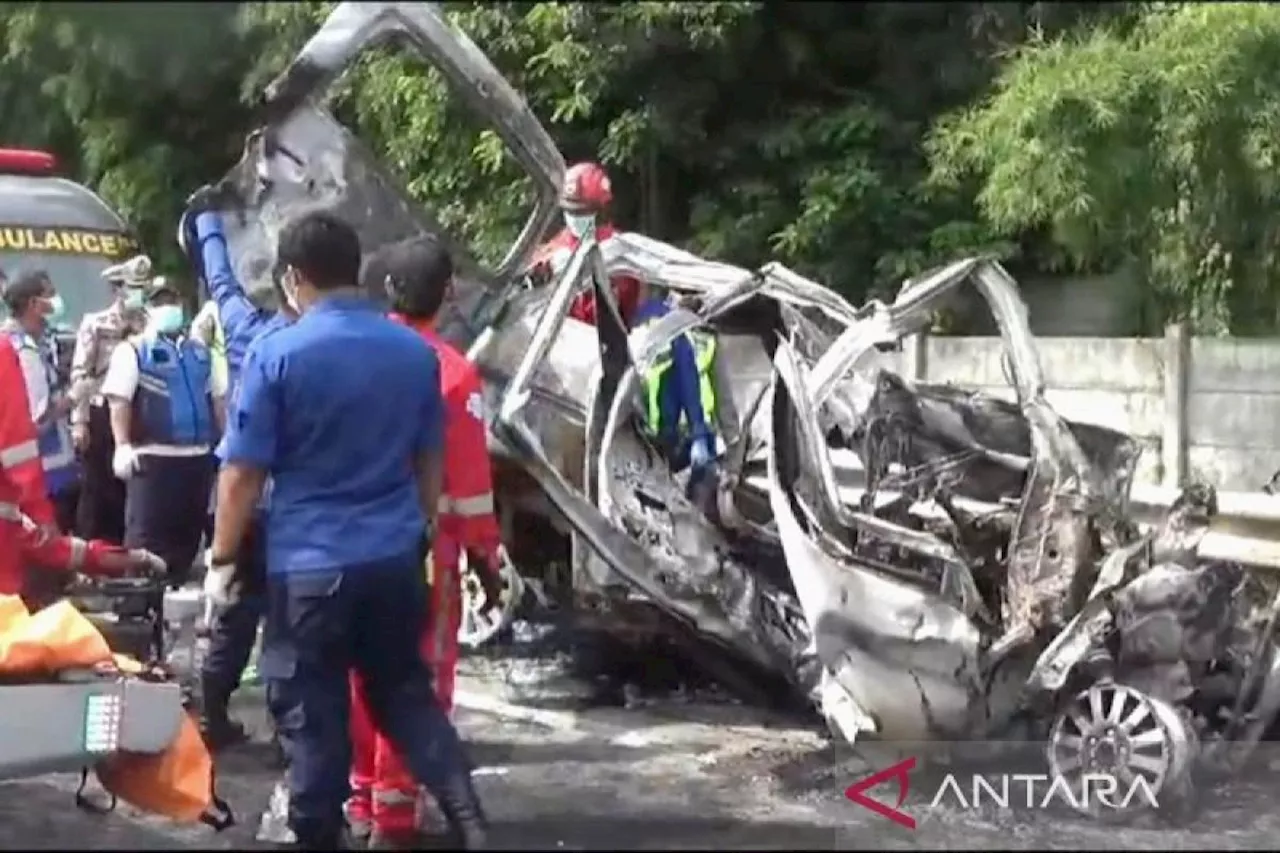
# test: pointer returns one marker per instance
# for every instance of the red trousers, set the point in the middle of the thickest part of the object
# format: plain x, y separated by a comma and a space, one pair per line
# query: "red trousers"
383, 790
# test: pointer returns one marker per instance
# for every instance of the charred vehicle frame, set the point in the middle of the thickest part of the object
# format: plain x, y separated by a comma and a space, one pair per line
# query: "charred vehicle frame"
920, 562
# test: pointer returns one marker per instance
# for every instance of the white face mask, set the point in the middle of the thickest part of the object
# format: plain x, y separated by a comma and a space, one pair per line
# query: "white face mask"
167, 319
579, 224
134, 297
57, 308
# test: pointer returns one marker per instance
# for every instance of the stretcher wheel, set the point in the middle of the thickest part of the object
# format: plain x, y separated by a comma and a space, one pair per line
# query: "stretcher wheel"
477, 628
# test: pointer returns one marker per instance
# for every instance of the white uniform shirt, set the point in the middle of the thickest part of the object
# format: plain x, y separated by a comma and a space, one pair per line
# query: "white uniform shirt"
121, 383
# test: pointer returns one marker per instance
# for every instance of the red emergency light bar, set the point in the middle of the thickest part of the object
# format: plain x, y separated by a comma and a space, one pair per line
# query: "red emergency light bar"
24, 161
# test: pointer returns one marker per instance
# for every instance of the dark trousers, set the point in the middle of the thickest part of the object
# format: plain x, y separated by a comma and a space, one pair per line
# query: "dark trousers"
236, 627
66, 504
100, 511
165, 506
319, 626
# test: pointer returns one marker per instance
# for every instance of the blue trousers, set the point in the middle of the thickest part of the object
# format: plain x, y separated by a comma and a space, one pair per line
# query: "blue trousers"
236, 628
319, 626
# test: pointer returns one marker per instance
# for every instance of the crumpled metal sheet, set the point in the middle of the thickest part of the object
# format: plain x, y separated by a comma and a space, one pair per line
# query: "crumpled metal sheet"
908, 659
918, 559
302, 159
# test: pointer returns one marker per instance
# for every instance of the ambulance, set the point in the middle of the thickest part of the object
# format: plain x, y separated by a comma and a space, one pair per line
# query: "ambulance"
48, 222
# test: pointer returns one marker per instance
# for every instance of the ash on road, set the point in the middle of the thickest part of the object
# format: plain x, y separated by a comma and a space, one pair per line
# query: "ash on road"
684, 776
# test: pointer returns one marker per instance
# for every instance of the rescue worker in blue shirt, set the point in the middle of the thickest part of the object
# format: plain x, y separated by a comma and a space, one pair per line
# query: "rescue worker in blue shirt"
343, 411
166, 415
235, 627
679, 396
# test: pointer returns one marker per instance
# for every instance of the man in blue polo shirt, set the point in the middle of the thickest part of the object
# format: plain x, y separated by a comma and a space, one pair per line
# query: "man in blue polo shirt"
343, 411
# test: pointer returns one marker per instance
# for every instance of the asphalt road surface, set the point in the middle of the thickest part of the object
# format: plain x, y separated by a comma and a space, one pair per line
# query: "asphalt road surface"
679, 776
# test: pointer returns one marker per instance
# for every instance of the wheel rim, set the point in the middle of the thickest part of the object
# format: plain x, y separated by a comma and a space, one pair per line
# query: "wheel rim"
477, 627
1117, 731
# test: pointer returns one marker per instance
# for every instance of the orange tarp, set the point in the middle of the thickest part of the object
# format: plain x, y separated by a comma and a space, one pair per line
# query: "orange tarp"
56, 638
177, 783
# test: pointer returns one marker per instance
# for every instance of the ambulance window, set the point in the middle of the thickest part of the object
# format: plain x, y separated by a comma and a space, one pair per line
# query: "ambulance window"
483, 207
78, 279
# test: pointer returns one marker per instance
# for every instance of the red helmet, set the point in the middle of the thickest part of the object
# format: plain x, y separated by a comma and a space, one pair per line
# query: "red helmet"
586, 188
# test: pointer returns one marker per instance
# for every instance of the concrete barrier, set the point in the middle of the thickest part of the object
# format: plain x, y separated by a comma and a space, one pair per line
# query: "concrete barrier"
1246, 529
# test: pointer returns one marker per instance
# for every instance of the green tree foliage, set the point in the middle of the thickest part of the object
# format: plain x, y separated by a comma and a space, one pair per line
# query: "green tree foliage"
573, 63
101, 86
1152, 145
749, 131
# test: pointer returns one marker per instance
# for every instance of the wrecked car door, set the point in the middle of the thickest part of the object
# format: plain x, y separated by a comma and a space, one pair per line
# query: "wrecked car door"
304, 159
647, 543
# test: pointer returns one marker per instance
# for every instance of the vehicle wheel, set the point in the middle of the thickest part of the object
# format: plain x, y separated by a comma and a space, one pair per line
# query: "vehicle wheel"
1113, 738
478, 628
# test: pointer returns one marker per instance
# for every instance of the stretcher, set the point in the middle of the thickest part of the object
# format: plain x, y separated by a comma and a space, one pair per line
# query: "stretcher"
74, 718
82, 717
69, 702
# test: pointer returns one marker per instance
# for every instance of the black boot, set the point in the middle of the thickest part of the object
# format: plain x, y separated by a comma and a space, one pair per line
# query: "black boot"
468, 827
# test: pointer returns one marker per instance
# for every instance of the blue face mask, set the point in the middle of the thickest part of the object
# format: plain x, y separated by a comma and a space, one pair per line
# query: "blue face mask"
580, 224
167, 319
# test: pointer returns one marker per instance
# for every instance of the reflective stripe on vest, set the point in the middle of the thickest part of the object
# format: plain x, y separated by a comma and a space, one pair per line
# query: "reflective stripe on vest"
53, 439
704, 354
19, 454
172, 405
471, 507
79, 549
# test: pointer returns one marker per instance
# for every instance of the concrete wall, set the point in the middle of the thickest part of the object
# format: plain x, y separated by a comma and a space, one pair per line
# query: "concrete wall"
1092, 305
1205, 408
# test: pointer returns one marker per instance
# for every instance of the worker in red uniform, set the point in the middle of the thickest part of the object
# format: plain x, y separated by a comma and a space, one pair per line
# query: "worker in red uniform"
27, 531
19, 446
585, 198
417, 275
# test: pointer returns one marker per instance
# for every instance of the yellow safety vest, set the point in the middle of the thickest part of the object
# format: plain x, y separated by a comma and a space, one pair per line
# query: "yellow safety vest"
704, 354
207, 327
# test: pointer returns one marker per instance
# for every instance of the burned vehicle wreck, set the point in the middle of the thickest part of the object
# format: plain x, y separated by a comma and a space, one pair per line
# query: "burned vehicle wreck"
917, 562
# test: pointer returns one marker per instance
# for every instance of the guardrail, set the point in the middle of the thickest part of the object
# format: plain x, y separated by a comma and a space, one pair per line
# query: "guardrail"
1246, 529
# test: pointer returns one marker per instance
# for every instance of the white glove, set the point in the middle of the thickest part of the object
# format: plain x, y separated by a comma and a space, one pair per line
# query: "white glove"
124, 462
701, 454
219, 580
